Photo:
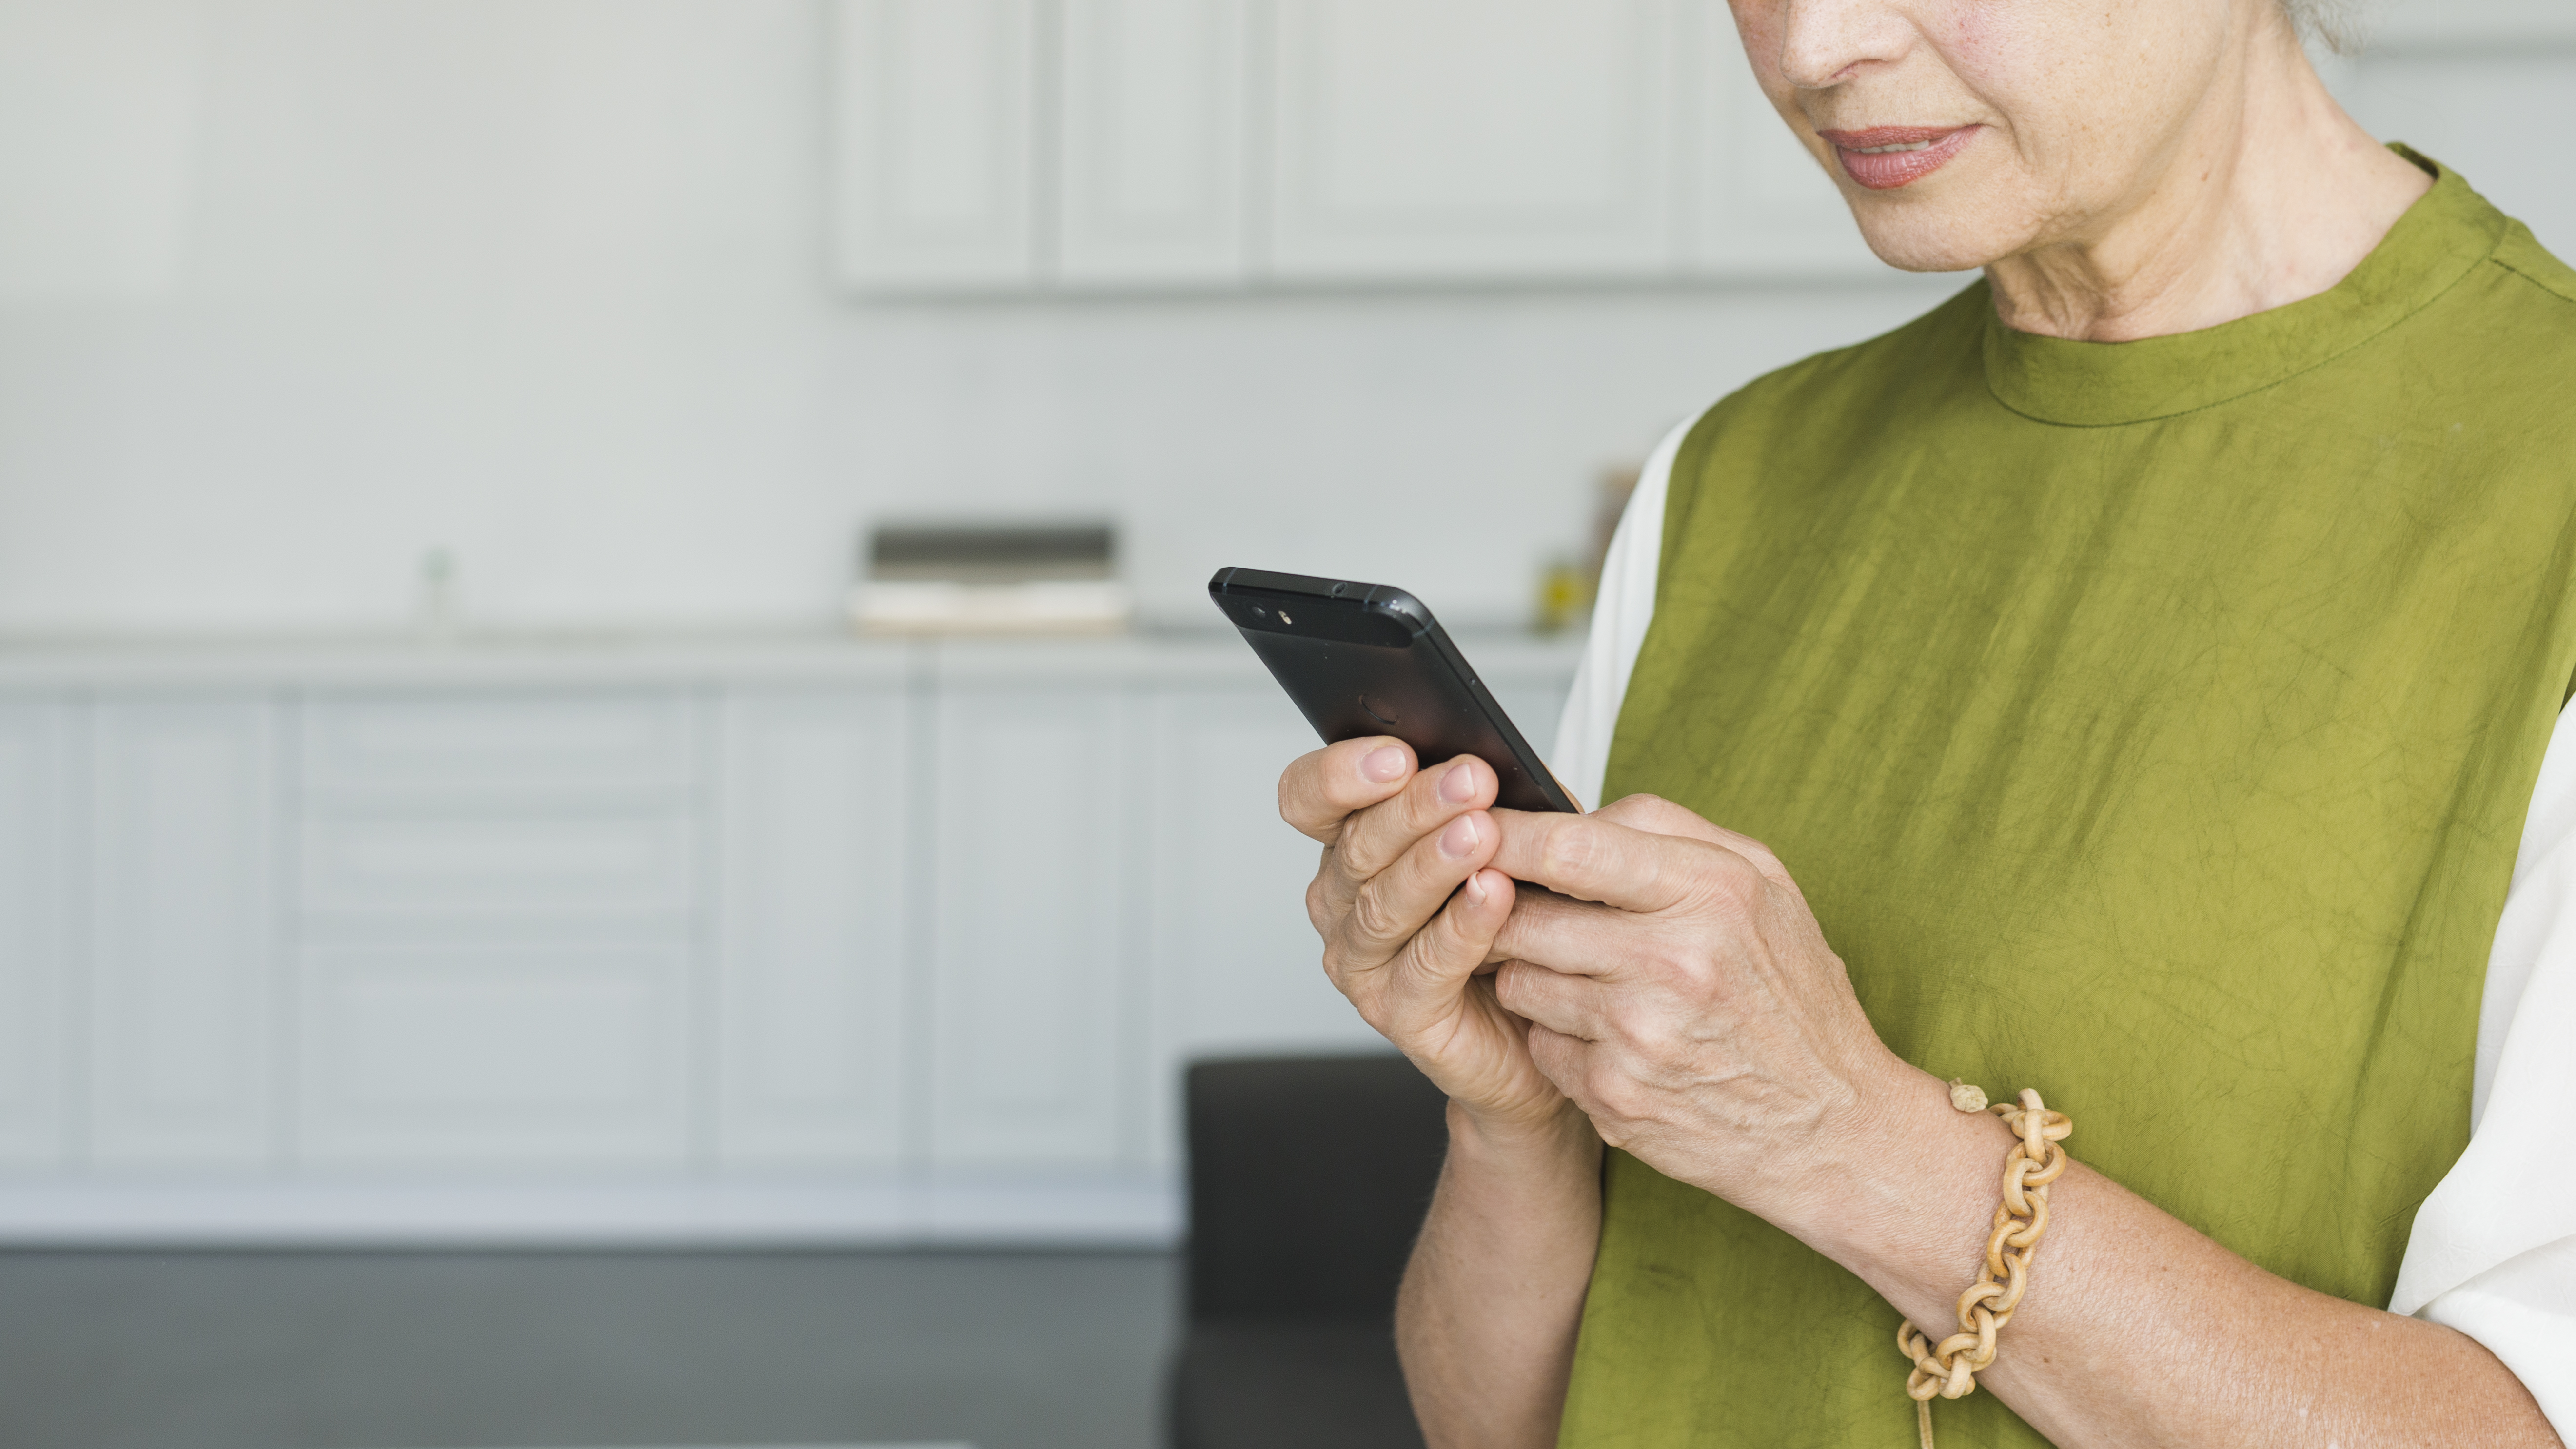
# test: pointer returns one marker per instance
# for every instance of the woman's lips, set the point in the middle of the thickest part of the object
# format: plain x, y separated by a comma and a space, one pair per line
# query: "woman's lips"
1883, 158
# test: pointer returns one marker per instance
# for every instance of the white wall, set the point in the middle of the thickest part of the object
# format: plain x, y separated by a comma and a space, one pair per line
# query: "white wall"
292, 291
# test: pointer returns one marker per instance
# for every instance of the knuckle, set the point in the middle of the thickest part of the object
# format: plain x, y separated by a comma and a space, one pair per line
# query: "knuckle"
1760, 859
1375, 839
1337, 968
1651, 1034
1547, 1052
1570, 852
1612, 1092
1734, 883
1656, 814
1360, 858
1309, 799
1696, 974
1374, 919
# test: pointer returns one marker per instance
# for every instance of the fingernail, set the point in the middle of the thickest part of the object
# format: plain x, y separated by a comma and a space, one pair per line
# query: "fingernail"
1476, 891
1383, 765
1460, 839
1459, 785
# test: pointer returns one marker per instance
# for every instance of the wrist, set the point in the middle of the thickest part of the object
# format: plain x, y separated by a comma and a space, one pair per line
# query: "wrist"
1911, 1192
1554, 1134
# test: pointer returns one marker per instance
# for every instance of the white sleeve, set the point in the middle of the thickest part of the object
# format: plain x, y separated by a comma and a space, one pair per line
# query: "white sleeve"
2494, 1248
1621, 610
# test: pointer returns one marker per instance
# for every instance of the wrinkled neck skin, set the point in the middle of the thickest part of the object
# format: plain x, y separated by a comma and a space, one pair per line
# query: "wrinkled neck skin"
2269, 195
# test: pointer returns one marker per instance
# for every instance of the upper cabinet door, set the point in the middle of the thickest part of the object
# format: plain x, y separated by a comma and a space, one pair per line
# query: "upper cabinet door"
1473, 138
933, 116
1765, 207
1151, 140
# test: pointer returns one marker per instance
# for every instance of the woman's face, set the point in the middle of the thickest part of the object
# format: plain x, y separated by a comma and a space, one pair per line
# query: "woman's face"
1966, 131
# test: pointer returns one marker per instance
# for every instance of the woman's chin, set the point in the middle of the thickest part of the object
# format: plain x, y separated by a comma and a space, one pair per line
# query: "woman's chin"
1914, 241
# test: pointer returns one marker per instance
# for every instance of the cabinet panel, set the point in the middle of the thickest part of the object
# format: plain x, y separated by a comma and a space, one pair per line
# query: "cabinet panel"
1030, 962
493, 1053
933, 113
101, 126
2479, 24
36, 841
1765, 206
1152, 159
183, 988
543, 743
499, 858
1463, 138
814, 999
1236, 966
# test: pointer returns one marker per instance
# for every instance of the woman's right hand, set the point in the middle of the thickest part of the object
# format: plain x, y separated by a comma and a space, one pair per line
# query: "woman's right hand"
1409, 913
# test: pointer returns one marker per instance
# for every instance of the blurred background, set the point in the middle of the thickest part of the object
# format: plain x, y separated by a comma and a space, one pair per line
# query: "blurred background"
619, 802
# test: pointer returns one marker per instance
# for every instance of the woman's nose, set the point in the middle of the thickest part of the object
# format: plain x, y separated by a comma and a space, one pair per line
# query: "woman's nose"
1823, 41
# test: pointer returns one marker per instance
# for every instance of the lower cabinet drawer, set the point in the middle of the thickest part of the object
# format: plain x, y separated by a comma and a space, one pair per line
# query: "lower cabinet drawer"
499, 1054
546, 741
499, 858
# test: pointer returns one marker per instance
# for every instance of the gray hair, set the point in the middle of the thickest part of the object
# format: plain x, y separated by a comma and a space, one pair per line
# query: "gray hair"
2339, 25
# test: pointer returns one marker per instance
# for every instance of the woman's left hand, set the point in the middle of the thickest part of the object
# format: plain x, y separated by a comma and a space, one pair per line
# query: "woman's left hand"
1682, 994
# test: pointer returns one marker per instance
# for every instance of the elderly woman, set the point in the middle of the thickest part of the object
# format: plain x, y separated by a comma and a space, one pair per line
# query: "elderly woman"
2139, 671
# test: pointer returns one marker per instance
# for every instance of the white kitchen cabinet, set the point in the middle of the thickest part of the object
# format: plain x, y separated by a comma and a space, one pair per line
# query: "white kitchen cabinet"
498, 928
499, 858
102, 110
1764, 207
1236, 965
815, 1002
1151, 160
1463, 139
934, 158
805, 940
479, 743
457, 1049
183, 978
35, 890
2471, 24
1030, 952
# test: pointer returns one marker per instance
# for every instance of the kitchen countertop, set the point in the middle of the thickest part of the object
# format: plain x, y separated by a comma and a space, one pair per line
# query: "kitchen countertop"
395, 661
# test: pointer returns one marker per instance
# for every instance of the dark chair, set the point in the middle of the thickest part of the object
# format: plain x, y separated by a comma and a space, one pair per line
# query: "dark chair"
1308, 1180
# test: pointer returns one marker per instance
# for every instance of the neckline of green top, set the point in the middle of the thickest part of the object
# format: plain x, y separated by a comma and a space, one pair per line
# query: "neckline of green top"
2446, 233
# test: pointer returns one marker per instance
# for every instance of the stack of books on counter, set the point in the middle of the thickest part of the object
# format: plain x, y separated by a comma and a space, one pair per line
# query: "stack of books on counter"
978, 578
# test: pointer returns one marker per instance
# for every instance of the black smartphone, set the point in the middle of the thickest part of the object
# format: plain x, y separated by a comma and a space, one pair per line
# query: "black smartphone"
1366, 659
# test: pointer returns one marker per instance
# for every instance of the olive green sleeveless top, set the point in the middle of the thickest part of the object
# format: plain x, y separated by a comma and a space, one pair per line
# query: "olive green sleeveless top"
2151, 724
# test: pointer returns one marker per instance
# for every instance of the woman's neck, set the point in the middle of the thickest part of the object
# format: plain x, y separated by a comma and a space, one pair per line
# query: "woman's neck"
2273, 195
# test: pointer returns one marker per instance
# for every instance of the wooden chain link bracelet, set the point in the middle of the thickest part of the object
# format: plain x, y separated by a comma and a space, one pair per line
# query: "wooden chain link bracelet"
1949, 1368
